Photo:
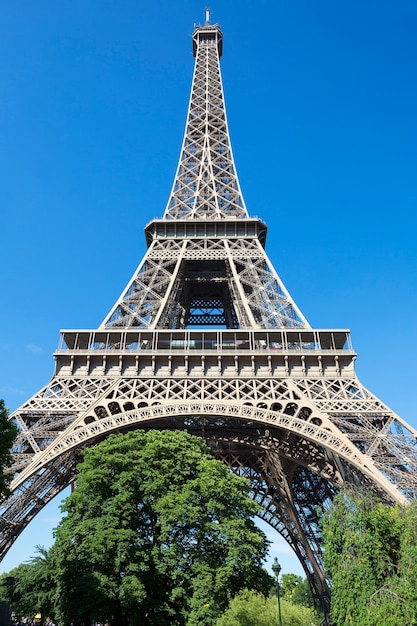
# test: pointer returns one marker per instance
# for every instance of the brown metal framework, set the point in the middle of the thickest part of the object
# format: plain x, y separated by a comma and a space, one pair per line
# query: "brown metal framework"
206, 338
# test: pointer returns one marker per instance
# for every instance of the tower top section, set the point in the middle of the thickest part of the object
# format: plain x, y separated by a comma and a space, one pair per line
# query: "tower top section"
206, 265
209, 34
206, 186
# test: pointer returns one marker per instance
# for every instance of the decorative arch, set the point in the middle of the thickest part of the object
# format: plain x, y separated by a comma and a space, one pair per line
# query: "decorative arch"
295, 418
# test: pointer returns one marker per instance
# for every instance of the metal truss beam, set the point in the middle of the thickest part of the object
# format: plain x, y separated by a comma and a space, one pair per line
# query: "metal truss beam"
205, 337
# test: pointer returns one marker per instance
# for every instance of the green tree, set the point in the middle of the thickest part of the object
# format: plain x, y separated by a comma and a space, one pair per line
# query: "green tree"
405, 585
371, 555
303, 595
297, 590
28, 588
10, 591
37, 585
8, 432
157, 532
288, 584
250, 608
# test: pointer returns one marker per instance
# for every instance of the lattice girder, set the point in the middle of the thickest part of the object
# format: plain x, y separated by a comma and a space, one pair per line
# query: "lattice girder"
251, 389
281, 506
154, 298
230, 374
275, 399
302, 447
206, 184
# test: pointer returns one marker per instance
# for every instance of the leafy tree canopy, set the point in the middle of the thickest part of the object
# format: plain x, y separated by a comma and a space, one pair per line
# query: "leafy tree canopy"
371, 555
8, 432
28, 588
288, 584
157, 532
250, 608
10, 590
296, 590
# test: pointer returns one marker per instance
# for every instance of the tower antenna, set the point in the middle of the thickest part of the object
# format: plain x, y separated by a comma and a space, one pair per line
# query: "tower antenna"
208, 14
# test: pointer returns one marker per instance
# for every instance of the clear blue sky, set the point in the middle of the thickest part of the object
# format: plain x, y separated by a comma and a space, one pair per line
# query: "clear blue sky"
321, 99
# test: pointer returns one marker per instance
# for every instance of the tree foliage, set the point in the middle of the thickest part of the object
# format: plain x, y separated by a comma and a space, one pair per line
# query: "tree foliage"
12, 591
371, 556
297, 590
250, 608
288, 584
28, 588
8, 432
157, 532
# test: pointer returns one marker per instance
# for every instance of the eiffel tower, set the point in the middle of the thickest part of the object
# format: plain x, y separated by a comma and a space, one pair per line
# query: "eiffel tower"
205, 337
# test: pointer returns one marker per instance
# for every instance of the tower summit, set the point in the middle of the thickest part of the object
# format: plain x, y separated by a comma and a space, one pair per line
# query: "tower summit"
205, 337
208, 32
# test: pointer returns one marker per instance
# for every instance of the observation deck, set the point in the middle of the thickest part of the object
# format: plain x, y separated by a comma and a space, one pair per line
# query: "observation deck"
209, 34
209, 352
248, 228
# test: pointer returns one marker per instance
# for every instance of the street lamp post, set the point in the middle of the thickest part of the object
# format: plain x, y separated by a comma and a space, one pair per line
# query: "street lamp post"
276, 568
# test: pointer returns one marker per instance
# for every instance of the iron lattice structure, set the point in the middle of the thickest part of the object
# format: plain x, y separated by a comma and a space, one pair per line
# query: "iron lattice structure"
206, 338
